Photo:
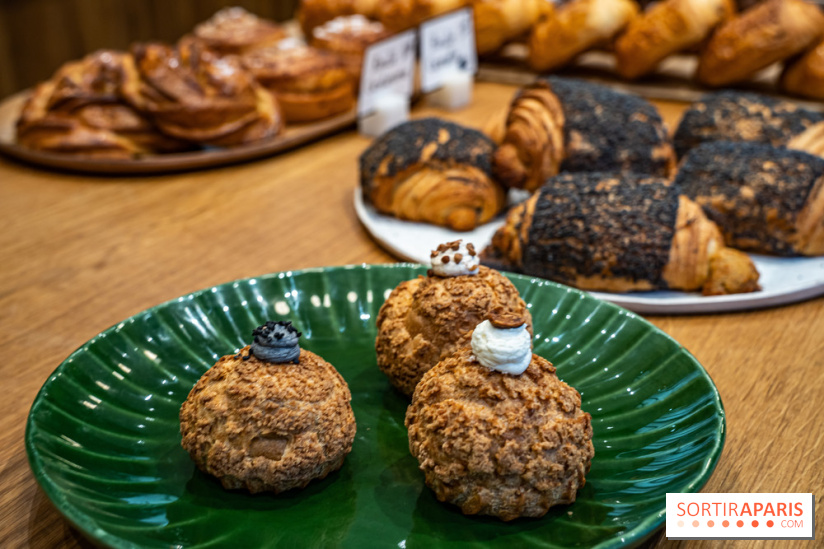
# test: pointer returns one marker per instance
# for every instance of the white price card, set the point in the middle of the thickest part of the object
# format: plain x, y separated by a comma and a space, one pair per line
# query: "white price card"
388, 68
447, 46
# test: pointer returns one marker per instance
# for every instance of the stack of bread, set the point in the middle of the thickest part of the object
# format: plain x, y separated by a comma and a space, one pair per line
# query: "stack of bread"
235, 79
732, 40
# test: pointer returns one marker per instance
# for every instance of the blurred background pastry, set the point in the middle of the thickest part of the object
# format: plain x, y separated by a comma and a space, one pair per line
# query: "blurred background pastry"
348, 36
742, 116
310, 84
618, 233
499, 442
575, 27
805, 76
768, 32
665, 28
426, 319
193, 94
312, 13
398, 15
433, 171
80, 110
765, 199
235, 31
498, 22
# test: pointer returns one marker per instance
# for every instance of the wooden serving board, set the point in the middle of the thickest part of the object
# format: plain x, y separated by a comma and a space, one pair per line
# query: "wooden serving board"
672, 81
293, 136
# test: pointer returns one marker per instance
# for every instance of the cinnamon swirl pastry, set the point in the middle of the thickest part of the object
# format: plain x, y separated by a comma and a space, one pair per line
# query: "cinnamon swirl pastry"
310, 84
348, 36
235, 31
765, 199
80, 111
312, 13
603, 130
434, 171
193, 94
618, 233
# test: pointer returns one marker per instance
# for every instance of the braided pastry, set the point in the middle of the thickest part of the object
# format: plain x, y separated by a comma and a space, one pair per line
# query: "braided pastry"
434, 171
192, 94
606, 232
80, 111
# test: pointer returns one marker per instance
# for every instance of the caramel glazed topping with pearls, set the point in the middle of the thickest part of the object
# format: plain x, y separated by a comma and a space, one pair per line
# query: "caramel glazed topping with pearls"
454, 246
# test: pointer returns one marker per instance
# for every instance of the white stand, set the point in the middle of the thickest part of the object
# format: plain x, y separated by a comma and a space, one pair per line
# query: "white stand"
456, 92
391, 109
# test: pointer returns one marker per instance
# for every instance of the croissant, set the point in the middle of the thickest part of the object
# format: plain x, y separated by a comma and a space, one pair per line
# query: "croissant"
80, 111
235, 31
739, 116
434, 171
771, 31
575, 27
665, 28
192, 94
805, 76
498, 22
603, 130
398, 15
618, 233
348, 36
313, 13
810, 141
310, 84
765, 199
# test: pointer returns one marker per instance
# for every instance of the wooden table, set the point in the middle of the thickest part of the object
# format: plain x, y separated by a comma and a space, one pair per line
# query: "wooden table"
79, 254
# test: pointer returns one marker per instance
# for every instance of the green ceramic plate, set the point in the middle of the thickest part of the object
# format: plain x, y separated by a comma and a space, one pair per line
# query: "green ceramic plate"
103, 438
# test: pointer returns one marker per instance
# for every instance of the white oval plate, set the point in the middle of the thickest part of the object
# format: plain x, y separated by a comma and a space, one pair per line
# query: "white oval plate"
783, 279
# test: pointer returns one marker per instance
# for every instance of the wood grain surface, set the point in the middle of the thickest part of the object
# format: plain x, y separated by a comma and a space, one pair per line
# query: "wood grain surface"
80, 253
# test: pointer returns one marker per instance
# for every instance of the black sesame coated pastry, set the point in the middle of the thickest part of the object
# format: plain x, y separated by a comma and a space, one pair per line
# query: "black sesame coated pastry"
618, 233
741, 116
765, 199
434, 171
563, 124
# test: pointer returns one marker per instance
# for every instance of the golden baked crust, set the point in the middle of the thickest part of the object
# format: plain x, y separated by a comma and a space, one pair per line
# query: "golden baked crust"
574, 28
434, 171
805, 76
771, 31
532, 147
400, 15
193, 94
424, 320
348, 36
498, 22
80, 111
268, 427
665, 28
234, 31
310, 84
605, 232
497, 444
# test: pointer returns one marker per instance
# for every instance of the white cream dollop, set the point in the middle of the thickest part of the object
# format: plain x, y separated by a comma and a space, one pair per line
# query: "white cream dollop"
508, 350
455, 259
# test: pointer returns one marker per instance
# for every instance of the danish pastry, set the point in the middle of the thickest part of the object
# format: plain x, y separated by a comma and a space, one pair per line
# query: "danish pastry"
80, 111
312, 13
310, 84
235, 31
349, 36
192, 94
618, 233
434, 171
765, 199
